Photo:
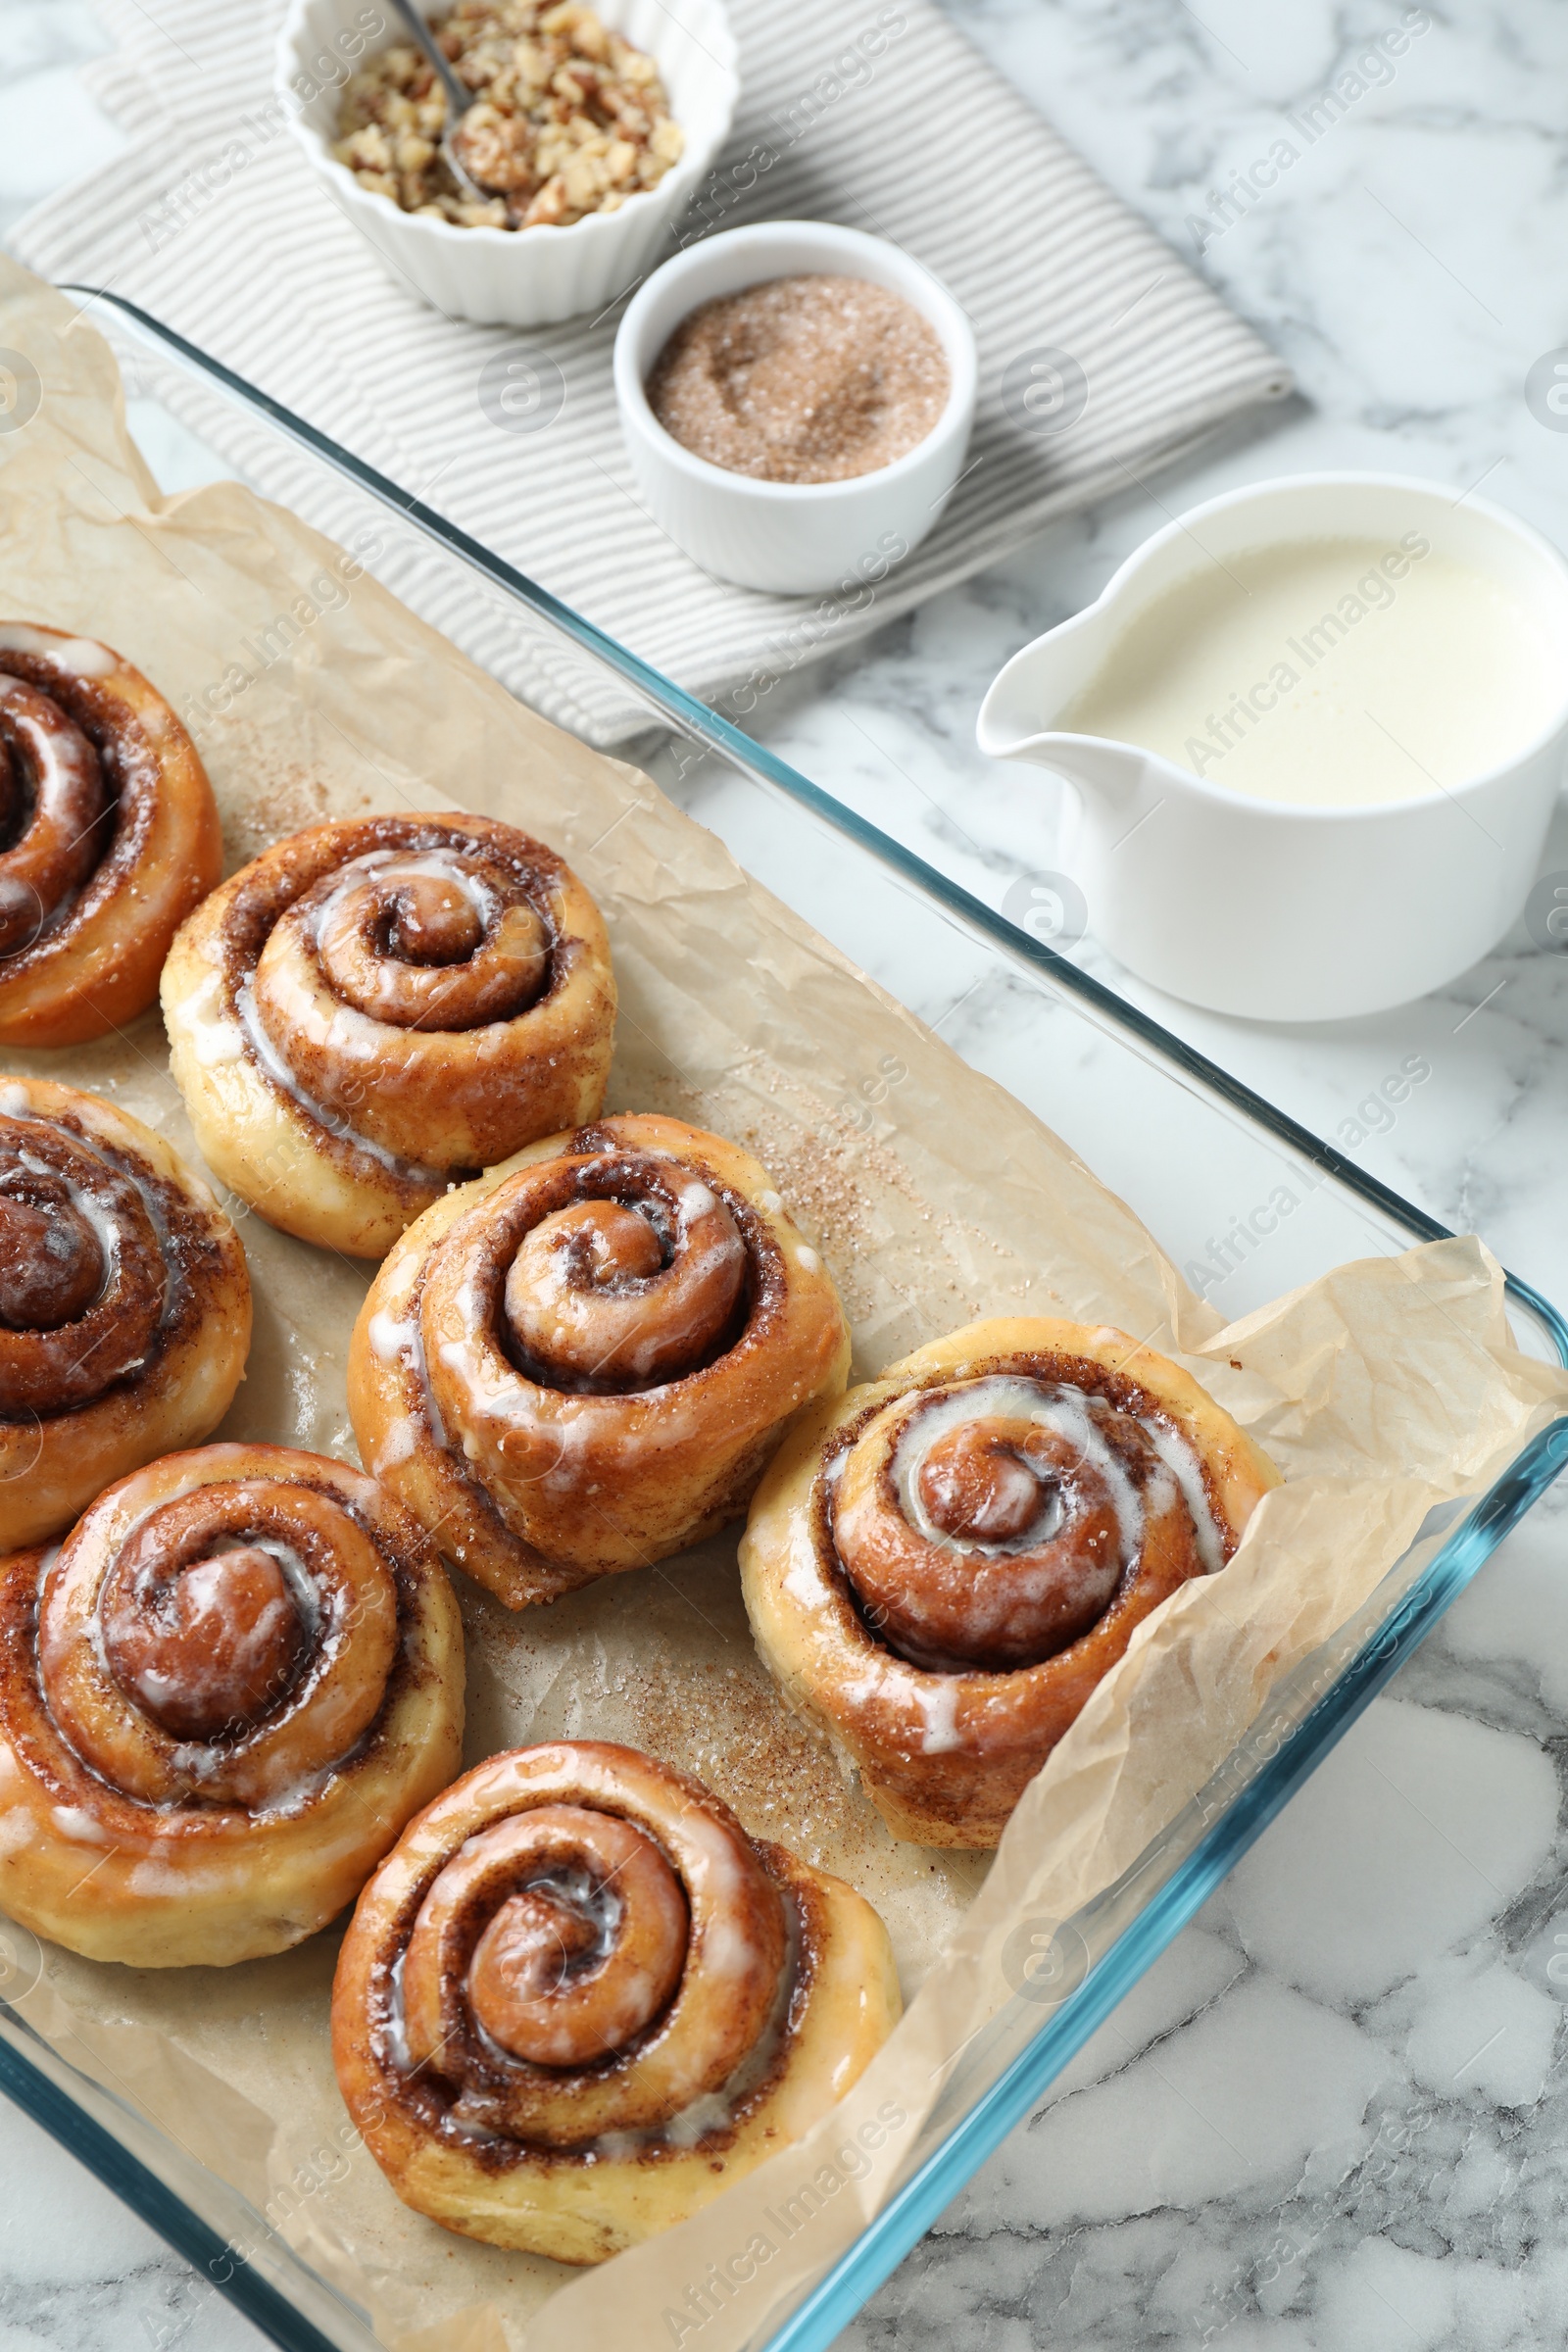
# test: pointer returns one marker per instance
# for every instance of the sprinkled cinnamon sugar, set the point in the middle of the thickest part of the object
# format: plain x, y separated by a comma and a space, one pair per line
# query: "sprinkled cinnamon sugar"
280, 795
801, 380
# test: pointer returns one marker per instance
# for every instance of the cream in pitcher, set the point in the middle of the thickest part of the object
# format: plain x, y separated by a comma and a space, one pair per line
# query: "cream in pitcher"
1314, 731
1334, 671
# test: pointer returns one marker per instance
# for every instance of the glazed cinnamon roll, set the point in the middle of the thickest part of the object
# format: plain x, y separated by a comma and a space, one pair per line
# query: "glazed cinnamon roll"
577, 2001
124, 1303
581, 1363
108, 836
221, 1698
941, 1567
370, 1011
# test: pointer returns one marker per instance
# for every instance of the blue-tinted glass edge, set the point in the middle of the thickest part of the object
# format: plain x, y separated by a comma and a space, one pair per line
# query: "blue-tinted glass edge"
161, 2207
883, 2243
830, 2305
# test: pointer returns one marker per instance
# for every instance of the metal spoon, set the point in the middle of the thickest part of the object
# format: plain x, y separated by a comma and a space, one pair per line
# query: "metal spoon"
458, 100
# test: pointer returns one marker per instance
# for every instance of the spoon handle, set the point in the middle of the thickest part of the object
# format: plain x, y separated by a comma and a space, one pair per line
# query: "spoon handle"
458, 98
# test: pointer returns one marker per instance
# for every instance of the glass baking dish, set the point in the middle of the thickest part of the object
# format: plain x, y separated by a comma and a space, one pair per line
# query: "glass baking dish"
1176, 1136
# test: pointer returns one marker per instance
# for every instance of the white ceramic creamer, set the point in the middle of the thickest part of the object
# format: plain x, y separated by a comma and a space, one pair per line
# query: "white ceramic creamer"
1332, 793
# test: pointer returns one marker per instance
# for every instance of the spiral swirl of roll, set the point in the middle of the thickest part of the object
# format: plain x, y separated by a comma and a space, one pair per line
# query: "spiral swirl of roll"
371, 1008
596, 1963
124, 1303
108, 836
229, 1688
581, 1363
943, 1567
577, 1979
990, 1523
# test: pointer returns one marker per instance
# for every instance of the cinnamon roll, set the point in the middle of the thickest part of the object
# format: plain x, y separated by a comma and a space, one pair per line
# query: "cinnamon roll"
940, 1567
108, 836
221, 1698
577, 2001
581, 1363
124, 1303
370, 1011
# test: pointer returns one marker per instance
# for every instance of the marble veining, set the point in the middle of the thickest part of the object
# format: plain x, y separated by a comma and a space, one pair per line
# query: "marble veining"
1334, 2115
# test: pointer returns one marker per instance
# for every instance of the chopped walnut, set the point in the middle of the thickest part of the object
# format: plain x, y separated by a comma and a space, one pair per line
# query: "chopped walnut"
569, 119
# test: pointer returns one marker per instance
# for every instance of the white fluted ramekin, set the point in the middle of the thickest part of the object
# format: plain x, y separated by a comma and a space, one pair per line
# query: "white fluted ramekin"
504, 276
791, 538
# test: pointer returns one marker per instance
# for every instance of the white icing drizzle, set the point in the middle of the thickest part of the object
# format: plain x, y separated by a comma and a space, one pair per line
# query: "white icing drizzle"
711, 2111
216, 1039
15, 1830
200, 1759
716, 2110
402, 1440
572, 1422
717, 1886
700, 1259
389, 1335
396, 2028
802, 1571
595, 1900
438, 863
718, 1877
1074, 1415
205, 1577
270, 1060
78, 1824
154, 1878
1064, 1411
77, 657
937, 1696
107, 1231
1182, 1463
441, 864
105, 1225
462, 2125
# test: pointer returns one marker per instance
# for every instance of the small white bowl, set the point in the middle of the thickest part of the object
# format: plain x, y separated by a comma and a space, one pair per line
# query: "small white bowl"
791, 538
505, 276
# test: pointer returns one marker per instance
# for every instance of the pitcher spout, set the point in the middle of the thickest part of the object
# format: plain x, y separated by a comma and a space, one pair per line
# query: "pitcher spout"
1021, 715
1106, 774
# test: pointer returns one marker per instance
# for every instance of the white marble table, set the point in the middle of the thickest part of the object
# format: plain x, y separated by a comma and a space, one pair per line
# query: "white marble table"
1333, 2116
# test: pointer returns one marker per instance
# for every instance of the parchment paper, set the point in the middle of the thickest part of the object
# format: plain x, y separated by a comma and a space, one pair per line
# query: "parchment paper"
1382, 1391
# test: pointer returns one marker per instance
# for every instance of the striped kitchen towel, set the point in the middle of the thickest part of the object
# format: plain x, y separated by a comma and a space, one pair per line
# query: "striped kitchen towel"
1068, 290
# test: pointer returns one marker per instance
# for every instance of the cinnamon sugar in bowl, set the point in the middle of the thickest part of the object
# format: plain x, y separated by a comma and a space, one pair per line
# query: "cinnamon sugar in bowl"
801, 380
795, 399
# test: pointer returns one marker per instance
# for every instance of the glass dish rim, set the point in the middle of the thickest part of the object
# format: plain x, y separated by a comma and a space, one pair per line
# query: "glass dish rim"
828, 2306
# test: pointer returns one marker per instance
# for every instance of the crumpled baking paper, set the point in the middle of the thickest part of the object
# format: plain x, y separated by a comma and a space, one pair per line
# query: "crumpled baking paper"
1385, 1390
